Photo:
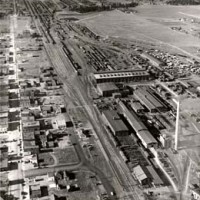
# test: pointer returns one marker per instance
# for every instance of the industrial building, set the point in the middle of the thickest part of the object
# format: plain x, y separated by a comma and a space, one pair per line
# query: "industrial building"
146, 175
154, 61
137, 106
141, 130
165, 140
168, 125
157, 181
121, 76
114, 122
147, 139
142, 175
107, 89
149, 100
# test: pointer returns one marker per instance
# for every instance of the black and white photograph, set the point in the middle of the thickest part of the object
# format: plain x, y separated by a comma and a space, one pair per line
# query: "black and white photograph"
99, 99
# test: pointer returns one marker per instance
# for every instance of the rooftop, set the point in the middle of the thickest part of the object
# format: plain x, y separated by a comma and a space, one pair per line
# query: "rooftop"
28, 135
146, 97
132, 118
31, 124
156, 179
136, 105
146, 136
4, 157
29, 144
139, 173
35, 187
107, 86
117, 74
115, 121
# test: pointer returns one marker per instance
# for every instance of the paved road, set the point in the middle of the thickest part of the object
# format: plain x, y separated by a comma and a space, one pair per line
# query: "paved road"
42, 171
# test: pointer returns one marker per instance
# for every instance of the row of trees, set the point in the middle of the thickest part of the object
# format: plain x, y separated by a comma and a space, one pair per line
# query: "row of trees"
103, 7
183, 2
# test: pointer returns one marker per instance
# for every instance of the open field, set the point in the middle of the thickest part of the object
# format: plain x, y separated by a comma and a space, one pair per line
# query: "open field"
66, 156
151, 23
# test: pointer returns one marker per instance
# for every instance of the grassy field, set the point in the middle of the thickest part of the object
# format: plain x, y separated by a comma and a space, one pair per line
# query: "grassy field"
151, 23
67, 156
58, 157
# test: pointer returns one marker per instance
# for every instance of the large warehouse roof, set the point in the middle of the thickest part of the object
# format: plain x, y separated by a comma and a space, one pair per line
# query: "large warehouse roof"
140, 129
119, 74
132, 118
139, 173
136, 105
156, 179
147, 98
107, 87
146, 137
115, 121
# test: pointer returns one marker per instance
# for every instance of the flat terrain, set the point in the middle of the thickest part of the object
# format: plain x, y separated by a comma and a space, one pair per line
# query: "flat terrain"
151, 23
66, 156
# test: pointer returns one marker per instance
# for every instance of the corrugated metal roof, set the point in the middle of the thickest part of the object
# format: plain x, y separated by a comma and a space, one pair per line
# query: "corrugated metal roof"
136, 106
156, 179
115, 121
146, 136
139, 173
107, 86
147, 98
132, 118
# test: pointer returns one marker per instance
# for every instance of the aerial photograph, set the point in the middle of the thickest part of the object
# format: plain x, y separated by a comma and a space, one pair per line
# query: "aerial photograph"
99, 99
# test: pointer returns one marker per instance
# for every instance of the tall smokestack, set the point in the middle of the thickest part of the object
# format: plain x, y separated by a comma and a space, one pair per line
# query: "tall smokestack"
177, 125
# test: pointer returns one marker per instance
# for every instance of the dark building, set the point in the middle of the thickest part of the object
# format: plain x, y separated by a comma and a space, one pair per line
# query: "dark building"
107, 89
114, 122
4, 158
35, 191
146, 175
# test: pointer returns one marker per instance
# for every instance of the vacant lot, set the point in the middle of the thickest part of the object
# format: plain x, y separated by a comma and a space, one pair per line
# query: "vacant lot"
46, 159
66, 156
151, 23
